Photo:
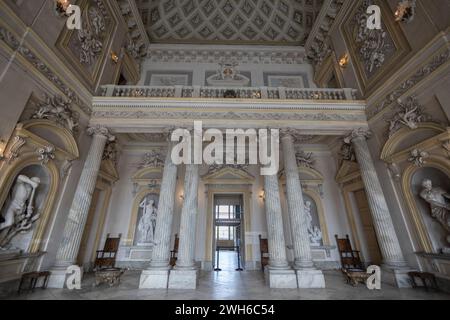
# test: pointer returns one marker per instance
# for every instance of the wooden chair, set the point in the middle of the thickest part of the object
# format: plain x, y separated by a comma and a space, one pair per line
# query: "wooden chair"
174, 252
350, 259
352, 266
106, 258
264, 247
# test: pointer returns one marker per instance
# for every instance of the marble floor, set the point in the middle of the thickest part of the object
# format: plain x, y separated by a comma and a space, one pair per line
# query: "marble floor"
227, 285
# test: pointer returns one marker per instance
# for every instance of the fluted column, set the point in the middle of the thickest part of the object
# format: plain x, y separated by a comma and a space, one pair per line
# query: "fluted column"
157, 274
73, 230
382, 221
79, 210
188, 219
299, 229
163, 232
277, 244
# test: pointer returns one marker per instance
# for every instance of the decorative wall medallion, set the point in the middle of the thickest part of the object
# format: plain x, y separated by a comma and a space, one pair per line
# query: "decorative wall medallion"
374, 52
58, 110
46, 154
417, 157
87, 48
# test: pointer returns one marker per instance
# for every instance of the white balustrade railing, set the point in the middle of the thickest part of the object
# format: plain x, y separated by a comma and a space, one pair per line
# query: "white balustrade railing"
230, 92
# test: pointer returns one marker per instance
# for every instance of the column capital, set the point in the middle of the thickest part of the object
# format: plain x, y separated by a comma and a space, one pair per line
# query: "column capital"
288, 132
357, 134
98, 130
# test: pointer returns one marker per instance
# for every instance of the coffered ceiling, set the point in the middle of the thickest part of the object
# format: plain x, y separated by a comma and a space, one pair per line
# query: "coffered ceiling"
281, 22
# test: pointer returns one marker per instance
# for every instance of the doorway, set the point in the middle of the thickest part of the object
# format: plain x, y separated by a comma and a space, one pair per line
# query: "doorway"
228, 232
373, 253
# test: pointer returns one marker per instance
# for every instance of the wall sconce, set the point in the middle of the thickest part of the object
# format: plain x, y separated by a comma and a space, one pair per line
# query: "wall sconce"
2, 149
343, 61
405, 11
263, 195
114, 57
61, 6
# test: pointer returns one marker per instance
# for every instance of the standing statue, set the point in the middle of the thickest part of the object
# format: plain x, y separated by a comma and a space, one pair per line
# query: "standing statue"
439, 201
314, 233
147, 223
20, 213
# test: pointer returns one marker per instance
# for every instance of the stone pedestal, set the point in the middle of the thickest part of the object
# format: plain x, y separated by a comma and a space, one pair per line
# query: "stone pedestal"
154, 279
310, 278
397, 277
183, 279
281, 278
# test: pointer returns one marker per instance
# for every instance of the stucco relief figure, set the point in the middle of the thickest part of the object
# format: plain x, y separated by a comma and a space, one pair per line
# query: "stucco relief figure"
439, 201
314, 233
20, 214
147, 223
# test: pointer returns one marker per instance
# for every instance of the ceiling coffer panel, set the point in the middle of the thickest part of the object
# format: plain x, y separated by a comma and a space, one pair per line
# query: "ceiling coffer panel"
283, 22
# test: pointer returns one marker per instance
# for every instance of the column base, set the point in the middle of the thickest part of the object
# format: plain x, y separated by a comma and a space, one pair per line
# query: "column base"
154, 279
397, 277
310, 279
183, 279
281, 278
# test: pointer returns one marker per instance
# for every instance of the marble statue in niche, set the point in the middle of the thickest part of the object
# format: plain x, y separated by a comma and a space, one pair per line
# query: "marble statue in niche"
314, 233
439, 201
147, 222
20, 213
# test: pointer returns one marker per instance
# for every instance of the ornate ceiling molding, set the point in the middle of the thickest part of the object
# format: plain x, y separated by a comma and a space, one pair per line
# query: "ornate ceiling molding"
229, 21
244, 55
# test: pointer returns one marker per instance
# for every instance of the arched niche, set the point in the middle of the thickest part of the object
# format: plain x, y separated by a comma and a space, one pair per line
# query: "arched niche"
146, 182
28, 164
429, 231
405, 138
48, 131
137, 211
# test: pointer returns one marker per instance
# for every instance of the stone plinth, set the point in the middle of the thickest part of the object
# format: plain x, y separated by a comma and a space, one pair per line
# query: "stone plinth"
183, 279
310, 279
281, 278
154, 279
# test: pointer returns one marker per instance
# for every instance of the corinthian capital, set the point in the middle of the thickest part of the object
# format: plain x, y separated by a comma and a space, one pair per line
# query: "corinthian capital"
98, 130
358, 133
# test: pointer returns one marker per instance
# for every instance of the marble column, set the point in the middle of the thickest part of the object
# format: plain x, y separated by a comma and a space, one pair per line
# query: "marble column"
157, 274
307, 275
393, 260
184, 275
279, 274
79, 210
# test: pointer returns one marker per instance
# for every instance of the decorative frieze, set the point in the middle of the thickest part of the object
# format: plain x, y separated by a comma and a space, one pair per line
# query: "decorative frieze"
409, 83
417, 157
43, 68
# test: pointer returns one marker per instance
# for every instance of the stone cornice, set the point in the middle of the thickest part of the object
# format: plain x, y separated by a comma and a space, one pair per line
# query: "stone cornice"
246, 104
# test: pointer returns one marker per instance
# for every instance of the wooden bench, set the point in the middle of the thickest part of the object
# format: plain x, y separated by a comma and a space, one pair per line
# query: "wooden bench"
33, 278
423, 276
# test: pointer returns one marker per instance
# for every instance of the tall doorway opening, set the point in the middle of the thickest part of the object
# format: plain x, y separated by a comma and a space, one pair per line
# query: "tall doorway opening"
228, 232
